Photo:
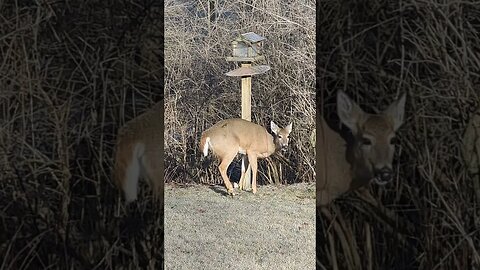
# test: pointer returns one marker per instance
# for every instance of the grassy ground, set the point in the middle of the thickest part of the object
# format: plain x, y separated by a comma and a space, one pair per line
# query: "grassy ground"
273, 229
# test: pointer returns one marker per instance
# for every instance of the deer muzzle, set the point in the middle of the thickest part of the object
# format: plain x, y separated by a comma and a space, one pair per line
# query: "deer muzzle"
383, 176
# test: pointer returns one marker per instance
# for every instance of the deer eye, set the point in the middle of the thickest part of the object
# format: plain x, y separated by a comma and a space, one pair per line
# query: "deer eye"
366, 141
393, 140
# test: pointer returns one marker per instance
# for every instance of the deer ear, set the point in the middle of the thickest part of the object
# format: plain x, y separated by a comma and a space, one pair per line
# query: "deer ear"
289, 128
274, 127
348, 111
396, 111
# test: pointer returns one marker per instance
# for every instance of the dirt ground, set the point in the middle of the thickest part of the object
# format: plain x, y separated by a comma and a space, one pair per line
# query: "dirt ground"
273, 229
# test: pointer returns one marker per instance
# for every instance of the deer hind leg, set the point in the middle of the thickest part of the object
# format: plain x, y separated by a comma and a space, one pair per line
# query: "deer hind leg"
241, 183
226, 160
245, 170
252, 159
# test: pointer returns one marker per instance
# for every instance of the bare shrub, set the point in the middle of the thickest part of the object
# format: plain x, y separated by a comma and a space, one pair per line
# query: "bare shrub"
198, 94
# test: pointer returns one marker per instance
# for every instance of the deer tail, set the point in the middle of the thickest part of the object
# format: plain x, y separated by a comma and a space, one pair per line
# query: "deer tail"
127, 169
205, 144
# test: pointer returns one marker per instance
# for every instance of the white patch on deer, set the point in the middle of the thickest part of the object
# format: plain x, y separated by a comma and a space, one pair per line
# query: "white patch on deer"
130, 185
205, 147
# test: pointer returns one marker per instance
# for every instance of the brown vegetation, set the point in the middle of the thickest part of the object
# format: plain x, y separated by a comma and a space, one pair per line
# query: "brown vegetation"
198, 93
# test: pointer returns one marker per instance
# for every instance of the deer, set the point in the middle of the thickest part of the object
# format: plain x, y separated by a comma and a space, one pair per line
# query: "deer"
229, 137
369, 158
139, 154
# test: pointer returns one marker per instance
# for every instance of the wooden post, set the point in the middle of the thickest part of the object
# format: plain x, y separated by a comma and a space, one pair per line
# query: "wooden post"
246, 50
211, 10
247, 95
246, 183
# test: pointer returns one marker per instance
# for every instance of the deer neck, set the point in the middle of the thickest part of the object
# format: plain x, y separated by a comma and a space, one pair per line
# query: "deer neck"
360, 173
334, 171
343, 171
272, 147
266, 145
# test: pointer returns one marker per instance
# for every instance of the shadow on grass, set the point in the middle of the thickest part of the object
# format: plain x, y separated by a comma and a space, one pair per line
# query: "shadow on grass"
220, 189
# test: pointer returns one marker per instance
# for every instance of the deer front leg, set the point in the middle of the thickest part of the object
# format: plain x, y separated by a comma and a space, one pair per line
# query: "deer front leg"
223, 171
252, 159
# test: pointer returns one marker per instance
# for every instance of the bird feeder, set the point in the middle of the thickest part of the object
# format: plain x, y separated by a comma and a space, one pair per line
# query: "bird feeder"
247, 48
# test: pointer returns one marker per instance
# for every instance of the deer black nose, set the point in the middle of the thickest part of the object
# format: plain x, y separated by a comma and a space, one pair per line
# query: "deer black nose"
384, 175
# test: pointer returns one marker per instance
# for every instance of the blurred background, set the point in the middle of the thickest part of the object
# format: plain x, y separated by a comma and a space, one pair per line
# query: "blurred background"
428, 218
71, 73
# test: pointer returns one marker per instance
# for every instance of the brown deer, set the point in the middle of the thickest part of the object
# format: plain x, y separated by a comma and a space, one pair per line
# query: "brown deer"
139, 153
231, 136
340, 168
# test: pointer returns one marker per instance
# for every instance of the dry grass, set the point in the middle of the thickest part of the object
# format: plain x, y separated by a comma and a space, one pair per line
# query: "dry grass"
273, 229
374, 50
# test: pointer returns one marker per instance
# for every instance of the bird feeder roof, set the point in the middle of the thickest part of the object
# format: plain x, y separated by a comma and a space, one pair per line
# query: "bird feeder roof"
252, 37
